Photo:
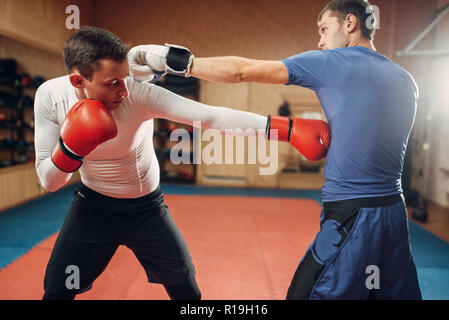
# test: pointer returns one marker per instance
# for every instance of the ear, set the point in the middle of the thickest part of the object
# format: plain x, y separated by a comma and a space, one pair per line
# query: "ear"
77, 80
351, 23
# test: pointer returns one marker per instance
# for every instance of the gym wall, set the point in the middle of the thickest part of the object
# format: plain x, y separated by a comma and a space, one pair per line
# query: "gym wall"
41, 23
20, 183
273, 30
262, 29
255, 29
429, 142
33, 32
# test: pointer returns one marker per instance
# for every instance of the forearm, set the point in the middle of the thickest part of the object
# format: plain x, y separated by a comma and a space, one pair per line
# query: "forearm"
235, 122
219, 69
180, 61
50, 177
212, 117
233, 69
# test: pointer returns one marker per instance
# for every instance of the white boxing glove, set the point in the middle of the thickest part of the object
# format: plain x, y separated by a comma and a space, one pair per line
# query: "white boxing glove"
149, 62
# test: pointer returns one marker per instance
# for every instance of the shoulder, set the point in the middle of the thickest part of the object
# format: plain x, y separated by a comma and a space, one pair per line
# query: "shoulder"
143, 94
138, 90
135, 87
55, 83
307, 56
54, 89
307, 69
49, 95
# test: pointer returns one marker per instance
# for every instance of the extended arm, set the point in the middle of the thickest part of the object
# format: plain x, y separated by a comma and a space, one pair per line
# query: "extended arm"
148, 62
310, 137
161, 103
233, 69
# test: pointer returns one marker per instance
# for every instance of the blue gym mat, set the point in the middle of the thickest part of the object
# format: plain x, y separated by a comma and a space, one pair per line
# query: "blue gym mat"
22, 227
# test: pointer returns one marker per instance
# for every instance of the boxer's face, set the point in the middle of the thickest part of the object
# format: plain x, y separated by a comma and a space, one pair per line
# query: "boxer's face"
332, 32
108, 83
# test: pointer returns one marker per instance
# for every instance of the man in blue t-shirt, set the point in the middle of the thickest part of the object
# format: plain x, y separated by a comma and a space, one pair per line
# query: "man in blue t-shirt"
362, 250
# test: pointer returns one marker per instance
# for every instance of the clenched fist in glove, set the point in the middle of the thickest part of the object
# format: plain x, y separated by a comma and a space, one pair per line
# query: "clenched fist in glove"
87, 125
149, 62
310, 137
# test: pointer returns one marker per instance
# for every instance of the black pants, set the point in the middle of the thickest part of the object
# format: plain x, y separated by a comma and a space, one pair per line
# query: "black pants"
96, 225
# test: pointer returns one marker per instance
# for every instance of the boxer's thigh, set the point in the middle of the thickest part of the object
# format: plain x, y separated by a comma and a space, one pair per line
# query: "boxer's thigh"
84, 247
161, 249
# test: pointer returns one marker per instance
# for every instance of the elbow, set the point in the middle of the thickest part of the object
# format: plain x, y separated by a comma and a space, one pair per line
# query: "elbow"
238, 77
241, 77
48, 181
239, 71
242, 73
49, 186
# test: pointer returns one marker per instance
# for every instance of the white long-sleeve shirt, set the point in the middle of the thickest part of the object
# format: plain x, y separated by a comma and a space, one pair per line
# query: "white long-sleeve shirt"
126, 166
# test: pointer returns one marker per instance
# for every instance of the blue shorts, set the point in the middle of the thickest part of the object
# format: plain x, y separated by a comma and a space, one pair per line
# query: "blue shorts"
362, 251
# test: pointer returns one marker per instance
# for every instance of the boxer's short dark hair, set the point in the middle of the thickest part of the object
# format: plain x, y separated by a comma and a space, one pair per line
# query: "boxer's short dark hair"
341, 8
87, 45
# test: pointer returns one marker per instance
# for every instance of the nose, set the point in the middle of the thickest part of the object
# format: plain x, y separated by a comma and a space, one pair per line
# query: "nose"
123, 91
321, 44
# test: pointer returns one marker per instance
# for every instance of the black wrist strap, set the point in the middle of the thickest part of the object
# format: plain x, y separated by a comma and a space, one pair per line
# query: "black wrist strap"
267, 129
178, 59
67, 152
290, 125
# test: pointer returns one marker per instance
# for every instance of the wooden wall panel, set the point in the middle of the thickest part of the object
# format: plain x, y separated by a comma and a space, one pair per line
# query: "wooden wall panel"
32, 60
259, 29
41, 23
236, 97
20, 184
263, 29
33, 32
256, 29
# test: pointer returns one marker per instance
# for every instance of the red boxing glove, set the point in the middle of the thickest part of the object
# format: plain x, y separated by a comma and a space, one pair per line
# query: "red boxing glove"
310, 137
88, 124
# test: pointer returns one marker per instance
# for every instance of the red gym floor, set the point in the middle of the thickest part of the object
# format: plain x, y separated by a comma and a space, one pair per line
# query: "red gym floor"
243, 248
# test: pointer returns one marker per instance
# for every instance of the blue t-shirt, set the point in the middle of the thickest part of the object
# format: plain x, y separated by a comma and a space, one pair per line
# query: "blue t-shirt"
370, 105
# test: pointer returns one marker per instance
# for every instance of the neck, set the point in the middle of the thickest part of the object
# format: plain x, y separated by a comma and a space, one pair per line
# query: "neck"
80, 94
362, 42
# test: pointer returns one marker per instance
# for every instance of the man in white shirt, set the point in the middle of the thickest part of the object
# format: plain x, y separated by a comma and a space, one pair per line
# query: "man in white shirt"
100, 121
